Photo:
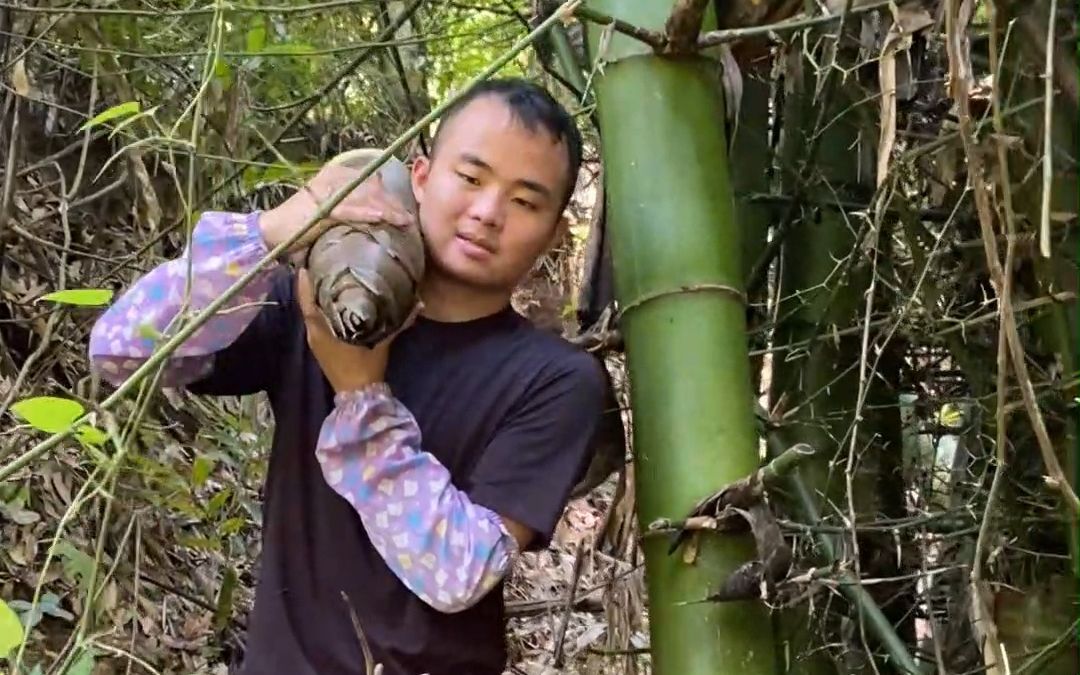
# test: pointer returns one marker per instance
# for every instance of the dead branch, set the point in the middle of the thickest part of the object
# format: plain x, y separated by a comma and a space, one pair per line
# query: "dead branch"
683, 26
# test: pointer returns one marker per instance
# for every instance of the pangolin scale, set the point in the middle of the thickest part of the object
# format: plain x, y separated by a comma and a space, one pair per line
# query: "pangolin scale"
366, 276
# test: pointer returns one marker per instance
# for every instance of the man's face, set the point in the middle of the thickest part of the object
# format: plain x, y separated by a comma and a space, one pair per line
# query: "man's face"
490, 199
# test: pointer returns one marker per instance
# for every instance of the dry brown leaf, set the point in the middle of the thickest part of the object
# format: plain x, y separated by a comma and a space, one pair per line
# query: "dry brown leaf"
147, 201
906, 22
20, 81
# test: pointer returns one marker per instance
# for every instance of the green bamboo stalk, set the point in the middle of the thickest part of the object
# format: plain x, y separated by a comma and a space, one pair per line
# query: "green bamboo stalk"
678, 277
822, 280
567, 60
185, 331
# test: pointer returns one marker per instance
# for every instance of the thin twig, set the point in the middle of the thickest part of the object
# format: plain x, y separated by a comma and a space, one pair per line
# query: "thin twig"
652, 38
558, 655
1048, 121
981, 616
718, 37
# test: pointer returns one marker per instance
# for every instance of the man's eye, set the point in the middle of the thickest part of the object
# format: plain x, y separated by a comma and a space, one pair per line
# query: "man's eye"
527, 204
468, 179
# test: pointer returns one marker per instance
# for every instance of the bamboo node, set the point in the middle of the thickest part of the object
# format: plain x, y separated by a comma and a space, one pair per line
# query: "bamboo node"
724, 289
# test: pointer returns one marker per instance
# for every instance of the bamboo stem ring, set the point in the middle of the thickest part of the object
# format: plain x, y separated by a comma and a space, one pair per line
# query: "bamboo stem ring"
730, 291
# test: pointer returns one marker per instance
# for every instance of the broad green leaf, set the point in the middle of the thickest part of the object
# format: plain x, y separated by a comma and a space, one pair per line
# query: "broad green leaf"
223, 73
85, 297
279, 173
200, 543
91, 435
115, 112
48, 413
218, 501
201, 469
256, 37
231, 526
11, 630
134, 118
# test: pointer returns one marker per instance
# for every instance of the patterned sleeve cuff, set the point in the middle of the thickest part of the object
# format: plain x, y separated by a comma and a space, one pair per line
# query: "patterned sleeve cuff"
449, 551
224, 246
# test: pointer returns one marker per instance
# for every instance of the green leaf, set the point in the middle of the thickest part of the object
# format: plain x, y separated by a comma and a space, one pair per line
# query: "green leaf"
85, 297
115, 112
91, 435
218, 501
77, 565
231, 526
11, 630
48, 413
201, 469
256, 37
84, 665
200, 543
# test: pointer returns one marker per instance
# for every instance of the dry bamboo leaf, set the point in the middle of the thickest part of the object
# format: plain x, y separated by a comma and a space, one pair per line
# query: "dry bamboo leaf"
906, 22
150, 211
20, 81
986, 631
887, 80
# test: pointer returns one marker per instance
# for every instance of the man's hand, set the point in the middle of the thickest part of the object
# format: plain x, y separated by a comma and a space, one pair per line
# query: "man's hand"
348, 367
370, 202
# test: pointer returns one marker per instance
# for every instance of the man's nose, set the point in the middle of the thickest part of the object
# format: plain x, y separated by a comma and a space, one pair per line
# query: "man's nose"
488, 207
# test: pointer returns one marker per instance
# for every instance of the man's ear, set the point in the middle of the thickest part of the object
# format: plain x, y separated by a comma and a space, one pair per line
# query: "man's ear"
421, 168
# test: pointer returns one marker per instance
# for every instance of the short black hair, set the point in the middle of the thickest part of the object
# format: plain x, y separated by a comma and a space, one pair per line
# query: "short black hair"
534, 107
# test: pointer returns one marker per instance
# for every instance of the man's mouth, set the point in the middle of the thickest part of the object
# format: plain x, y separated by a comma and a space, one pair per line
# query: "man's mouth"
477, 242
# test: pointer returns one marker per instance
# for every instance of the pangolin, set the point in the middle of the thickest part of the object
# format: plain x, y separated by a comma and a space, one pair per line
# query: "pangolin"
366, 276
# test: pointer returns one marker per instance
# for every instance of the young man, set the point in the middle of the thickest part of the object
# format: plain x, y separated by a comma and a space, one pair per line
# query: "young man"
403, 479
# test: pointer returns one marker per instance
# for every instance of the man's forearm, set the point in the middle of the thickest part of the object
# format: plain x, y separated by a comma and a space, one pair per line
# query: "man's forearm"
223, 247
447, 550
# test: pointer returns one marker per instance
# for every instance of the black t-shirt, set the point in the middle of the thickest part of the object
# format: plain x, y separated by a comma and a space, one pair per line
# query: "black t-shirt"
508, 409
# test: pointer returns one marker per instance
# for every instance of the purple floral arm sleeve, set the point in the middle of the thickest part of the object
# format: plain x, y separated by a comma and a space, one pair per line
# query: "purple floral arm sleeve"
447, 550
223, 247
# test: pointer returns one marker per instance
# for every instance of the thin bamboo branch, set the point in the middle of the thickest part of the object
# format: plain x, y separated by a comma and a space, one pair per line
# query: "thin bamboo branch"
1048, 122
981, 616
650, 37
774, 30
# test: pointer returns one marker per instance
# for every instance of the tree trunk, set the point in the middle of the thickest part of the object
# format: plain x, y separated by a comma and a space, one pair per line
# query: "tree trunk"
678, 280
